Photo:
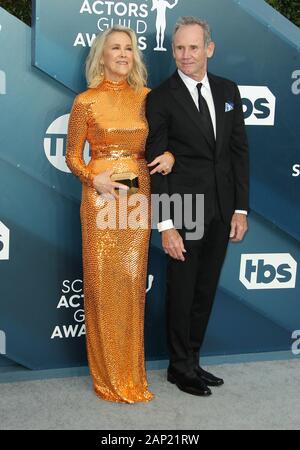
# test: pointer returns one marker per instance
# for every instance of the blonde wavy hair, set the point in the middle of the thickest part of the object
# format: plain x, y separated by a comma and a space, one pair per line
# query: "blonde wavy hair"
94, 70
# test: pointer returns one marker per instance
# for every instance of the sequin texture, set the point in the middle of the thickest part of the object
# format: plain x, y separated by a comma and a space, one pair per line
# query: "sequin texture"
112, 118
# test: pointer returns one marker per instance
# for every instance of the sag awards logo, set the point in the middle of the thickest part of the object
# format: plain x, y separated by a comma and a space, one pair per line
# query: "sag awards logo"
72, 299
55, 144
161, 7
4, 242
259, 105
132, 15
268, 271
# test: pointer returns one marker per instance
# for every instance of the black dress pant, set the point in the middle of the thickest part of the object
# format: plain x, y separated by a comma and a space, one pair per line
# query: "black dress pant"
191, 288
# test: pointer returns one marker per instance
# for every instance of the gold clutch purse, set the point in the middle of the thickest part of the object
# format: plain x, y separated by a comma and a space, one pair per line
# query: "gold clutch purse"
130, 179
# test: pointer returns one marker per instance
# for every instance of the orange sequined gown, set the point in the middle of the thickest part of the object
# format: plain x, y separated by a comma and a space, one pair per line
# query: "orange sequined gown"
111, 117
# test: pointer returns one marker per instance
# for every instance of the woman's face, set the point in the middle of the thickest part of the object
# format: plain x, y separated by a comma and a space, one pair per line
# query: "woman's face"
117, 56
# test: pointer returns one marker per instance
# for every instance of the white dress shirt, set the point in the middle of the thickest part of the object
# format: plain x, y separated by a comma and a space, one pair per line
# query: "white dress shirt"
205, 91
207, 94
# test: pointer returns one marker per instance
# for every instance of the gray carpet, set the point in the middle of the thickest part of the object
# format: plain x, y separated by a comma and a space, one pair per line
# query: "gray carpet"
256, 396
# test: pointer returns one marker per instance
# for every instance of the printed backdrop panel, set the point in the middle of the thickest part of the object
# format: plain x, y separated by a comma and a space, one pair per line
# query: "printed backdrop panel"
41, 296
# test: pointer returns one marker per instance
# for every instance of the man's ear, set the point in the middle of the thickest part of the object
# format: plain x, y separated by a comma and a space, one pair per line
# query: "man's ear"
210, 49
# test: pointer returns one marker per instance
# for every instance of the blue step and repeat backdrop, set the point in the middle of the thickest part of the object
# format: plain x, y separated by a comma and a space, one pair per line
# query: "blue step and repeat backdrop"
41, 69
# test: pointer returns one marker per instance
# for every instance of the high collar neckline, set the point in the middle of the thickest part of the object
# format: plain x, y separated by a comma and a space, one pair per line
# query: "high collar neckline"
114, 85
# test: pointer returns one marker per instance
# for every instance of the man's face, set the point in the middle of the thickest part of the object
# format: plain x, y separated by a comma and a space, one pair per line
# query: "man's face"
190, 52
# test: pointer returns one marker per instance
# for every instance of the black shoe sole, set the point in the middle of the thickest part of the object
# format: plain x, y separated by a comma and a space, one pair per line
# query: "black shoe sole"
212, 383
191, 390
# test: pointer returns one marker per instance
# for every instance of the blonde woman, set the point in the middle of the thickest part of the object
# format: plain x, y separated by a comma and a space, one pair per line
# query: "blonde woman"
110, 115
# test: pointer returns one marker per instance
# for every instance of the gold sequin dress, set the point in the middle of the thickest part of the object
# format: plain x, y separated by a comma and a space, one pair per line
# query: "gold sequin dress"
111, 118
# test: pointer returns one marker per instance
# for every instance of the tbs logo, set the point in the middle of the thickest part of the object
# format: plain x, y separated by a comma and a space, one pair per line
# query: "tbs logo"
259, 105
296, 170
268, 271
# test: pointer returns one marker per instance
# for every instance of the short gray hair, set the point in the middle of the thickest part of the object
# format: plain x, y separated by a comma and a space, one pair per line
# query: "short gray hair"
191, 20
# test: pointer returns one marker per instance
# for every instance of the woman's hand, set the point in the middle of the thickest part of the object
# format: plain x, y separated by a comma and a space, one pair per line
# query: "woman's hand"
105, 186
165, 164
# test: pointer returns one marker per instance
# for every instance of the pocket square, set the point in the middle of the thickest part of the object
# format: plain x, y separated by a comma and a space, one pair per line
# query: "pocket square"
229, 106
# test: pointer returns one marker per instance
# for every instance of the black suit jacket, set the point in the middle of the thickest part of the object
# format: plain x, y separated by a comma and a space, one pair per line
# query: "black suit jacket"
221, 169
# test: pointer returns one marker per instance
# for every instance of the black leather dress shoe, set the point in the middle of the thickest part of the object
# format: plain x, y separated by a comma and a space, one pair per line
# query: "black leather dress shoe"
191, 384
208, 378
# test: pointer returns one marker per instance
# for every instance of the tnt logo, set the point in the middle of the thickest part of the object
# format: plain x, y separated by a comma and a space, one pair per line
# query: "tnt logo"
2, 83
268, 271
259, 105
4, 242
55, 144
2, 343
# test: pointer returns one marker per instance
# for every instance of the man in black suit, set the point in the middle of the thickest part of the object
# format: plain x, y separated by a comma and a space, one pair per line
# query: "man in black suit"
199, 118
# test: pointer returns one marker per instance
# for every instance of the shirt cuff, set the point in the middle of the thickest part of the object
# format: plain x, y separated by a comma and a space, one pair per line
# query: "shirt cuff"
165, 225
241, 211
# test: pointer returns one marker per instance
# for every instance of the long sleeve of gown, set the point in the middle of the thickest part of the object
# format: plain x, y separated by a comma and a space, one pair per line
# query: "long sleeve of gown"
77, 135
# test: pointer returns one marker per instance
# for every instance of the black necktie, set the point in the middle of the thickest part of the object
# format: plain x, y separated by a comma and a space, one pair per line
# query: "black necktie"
205, 117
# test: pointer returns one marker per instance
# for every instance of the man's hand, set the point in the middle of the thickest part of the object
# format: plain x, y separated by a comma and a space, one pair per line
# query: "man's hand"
239, 227
173, 244
164, 164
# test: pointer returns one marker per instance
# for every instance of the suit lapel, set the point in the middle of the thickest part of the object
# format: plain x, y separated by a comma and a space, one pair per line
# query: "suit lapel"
219, 101
183, 96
